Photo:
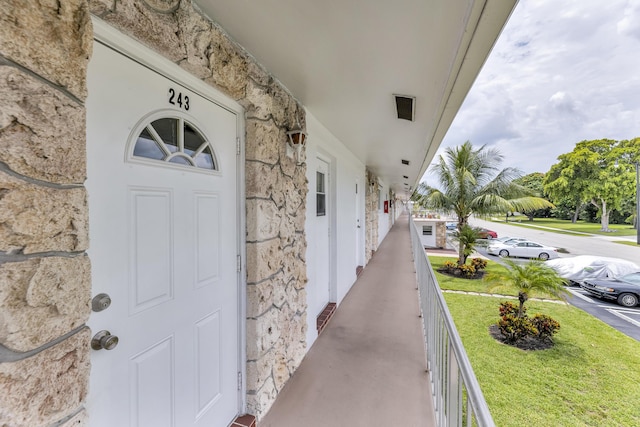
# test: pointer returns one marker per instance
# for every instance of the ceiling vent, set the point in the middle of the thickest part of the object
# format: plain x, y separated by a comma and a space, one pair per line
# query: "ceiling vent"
405, 176
405, 162
405, 106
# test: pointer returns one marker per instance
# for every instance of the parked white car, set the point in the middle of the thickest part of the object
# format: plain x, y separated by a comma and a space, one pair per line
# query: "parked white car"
523, 249
510, 240
578, 268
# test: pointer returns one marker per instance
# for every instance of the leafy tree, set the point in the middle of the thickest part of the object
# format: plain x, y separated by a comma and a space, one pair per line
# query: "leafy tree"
533, 182
530, 277
598, 172
472, 183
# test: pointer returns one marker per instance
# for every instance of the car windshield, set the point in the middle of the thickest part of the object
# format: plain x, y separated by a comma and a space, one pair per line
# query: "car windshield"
632, 278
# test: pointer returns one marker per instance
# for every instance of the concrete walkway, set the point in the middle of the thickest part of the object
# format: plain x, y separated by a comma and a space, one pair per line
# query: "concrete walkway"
368, 366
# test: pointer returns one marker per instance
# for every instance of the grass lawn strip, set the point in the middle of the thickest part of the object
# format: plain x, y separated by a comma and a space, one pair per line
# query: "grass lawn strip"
578, 228
590, 377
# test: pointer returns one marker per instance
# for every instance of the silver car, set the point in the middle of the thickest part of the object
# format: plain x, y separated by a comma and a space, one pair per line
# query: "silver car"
523, 249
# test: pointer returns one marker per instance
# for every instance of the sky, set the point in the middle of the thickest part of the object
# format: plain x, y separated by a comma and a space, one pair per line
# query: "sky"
561, 72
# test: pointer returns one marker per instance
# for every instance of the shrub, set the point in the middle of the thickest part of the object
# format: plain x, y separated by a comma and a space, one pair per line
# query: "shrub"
479, 263
546, 326
515, 328
450, 265
467, 270
508, 308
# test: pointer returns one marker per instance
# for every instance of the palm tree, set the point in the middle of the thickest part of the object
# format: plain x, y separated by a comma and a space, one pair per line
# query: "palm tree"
530, 277
472, 183
468, 236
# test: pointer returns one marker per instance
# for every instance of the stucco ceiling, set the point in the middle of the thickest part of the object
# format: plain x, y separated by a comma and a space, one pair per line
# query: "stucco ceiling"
345, 59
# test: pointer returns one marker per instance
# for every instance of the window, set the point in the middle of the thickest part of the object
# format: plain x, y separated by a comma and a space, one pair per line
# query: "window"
176, 141
427, 230
321, 196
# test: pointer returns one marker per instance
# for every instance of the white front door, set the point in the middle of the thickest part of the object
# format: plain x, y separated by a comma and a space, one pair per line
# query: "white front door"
164, 247
323, 269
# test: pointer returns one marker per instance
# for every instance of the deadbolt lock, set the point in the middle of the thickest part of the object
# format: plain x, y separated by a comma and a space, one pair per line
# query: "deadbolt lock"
104, 340
100, 302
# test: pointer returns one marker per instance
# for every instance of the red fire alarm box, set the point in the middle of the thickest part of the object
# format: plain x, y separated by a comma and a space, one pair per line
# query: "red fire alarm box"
386, 206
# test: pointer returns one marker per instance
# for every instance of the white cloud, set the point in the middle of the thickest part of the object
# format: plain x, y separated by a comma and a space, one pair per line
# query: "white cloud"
562, 72
630, 24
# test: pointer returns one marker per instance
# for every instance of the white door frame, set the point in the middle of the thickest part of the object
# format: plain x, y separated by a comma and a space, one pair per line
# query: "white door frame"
360, 222
111, 37
333, 225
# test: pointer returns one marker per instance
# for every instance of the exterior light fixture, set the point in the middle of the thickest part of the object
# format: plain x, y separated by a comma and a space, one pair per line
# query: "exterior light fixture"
296, 140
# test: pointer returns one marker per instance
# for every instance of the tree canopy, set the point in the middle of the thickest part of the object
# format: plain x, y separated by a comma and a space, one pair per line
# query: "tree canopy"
599, 172
534, 183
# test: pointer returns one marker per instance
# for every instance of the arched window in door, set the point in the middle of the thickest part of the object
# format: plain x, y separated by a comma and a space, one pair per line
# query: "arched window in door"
175, 140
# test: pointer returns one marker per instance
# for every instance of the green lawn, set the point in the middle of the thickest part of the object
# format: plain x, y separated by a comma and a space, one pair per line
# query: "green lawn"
481, 286
569, 227
591, 377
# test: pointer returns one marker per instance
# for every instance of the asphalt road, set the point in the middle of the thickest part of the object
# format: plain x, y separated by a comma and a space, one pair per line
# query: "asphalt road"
626, 320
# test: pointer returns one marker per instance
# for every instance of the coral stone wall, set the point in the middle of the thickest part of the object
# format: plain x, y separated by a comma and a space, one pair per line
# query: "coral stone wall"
276, 186
372, 200
44, 272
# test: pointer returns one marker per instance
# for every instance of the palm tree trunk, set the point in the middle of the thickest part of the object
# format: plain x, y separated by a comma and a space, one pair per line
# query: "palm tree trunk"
522, 297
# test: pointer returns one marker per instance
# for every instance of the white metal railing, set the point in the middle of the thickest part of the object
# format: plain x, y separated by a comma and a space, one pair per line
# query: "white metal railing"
457, 397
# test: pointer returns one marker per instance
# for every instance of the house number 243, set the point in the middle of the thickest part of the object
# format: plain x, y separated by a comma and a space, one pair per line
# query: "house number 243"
177, 98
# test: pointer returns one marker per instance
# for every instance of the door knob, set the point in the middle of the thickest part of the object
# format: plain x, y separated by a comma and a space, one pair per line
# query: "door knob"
104, 340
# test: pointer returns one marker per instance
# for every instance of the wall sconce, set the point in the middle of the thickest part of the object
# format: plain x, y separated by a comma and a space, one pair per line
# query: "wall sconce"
297, 138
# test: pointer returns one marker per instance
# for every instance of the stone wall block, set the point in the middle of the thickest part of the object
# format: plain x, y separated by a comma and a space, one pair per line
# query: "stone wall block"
261, 101
259, 297
196, 37
261, 180
53, 39
295, 200
265, 259
260, 401
298, 220
228, 64
267, 218
296, 299
287, 229
41, 219
296, 351
258, 74
281, 373
163, 6
157, 30
259, 371
262, 333
101, 7
42, 131
47, 387
264, 141
279, 291
301, 247
40, 300
290, 166
300, 180
295, 268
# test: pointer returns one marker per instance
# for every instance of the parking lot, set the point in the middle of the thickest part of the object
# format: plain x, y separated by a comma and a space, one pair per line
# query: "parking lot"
626, 320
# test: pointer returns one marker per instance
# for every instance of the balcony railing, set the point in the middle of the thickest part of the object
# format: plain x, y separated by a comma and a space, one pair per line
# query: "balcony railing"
457, 397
